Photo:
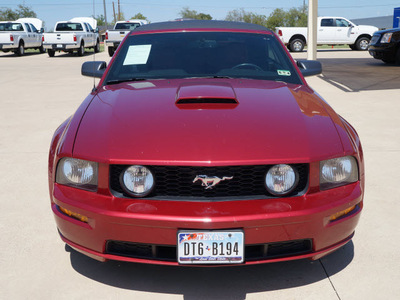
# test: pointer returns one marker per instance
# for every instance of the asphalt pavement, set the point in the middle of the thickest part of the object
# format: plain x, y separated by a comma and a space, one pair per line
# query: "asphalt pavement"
37, 93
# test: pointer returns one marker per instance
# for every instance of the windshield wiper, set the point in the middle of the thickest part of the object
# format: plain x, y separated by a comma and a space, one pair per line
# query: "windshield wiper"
116, 81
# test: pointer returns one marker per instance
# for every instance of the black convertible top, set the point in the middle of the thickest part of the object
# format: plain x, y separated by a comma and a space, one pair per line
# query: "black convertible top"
191, 24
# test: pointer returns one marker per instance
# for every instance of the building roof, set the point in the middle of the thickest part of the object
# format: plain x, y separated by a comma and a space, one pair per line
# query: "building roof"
380, 22
207, 24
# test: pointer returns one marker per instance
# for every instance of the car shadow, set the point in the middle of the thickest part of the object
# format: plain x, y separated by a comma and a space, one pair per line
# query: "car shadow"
231, 282
361, 74
11, 54
68, 55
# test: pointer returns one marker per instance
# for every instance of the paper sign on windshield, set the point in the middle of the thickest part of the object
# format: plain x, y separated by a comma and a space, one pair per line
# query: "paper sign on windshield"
137, 55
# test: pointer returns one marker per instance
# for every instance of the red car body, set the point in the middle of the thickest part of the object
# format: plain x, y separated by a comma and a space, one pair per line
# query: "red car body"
266, 123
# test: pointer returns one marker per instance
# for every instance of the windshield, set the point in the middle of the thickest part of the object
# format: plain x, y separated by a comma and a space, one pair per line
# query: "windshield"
202, 54
126, 26
11, 27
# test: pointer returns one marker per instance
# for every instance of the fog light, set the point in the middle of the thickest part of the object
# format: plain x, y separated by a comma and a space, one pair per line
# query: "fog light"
74, 215
341, 213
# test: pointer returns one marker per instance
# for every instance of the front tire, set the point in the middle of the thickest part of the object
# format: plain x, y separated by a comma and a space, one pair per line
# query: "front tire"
51, 52
362, 44
20, 50
81, 50
111, 51
297, 45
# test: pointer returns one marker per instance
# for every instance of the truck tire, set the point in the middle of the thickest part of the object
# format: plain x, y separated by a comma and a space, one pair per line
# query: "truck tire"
352, 46
362, 43
81, 50
97, 47
20, 50
297, 45
51, 52
42, 50
111, 51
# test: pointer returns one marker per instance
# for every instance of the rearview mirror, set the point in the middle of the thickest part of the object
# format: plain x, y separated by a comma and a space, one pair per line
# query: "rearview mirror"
93, 68
309, 67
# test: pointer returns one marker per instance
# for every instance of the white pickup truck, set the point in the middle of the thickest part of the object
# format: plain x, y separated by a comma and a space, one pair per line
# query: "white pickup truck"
73, 35
25, 33
121, 28
330, 31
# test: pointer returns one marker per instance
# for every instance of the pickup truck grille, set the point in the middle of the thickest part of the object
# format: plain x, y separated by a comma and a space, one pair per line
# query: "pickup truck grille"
176, 182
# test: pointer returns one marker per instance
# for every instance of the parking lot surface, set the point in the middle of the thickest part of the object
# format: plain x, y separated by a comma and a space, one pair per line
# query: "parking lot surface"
38, 93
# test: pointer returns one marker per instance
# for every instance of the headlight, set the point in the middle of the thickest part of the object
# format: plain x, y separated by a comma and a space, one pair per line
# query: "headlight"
281, 179
338, 171
137, 181
77, 173
386, 38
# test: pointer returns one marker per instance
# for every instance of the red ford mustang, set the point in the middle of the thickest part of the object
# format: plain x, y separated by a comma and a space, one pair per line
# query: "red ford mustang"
203, 144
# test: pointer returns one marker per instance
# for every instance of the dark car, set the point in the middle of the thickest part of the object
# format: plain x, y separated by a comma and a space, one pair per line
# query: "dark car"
204, 144
385, 45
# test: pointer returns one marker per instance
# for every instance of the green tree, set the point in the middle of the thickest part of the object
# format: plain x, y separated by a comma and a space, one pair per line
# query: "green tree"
296, 17
139, 16
186, 13
22, 11
240, 15
276, 19
101, 21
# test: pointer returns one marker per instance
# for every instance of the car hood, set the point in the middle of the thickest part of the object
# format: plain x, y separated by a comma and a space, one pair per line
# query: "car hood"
367, 28
142, 122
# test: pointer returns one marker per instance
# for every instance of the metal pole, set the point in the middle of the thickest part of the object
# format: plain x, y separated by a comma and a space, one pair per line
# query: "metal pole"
312, 29
105, 12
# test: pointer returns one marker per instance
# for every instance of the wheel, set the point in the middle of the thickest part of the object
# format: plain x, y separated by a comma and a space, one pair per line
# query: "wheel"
20, 50
97, 47
297, 45
352, 47
247, 66
81, 50
51, 52
42, 50
111, 51
362, 43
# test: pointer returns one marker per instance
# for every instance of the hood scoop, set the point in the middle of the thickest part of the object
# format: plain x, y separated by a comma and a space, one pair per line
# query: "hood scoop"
206, 96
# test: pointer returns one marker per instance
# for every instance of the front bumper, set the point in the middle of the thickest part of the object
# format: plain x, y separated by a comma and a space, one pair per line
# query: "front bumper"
156, 222
383, 51
61, 47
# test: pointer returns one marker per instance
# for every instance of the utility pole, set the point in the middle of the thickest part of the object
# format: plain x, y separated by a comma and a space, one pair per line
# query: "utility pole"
115, 19
105, 12
119, 11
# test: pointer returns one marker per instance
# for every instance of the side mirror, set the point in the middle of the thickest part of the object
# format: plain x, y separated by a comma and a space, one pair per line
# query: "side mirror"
93, 68
96, 30
309, 67
41, 30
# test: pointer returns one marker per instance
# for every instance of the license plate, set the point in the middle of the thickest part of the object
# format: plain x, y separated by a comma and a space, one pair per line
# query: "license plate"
210, 247
59, 46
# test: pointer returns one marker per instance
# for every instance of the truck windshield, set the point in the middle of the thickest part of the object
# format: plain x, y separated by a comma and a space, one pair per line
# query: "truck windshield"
11, 27
69, 27
126, 26
202, 54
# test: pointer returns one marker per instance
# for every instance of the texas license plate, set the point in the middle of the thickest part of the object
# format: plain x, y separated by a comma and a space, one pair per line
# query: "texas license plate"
210, 247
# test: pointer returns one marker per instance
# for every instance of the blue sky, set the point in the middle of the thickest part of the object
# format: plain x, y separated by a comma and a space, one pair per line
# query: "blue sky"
52, 11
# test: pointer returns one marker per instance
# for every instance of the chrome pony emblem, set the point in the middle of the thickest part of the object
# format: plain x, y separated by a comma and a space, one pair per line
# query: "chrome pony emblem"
210, 181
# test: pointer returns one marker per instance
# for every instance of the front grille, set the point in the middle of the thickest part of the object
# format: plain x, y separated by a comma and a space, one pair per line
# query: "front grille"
176, 182
168, 253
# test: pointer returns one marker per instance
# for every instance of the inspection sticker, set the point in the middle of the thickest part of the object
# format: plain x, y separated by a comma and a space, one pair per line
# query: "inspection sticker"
284, 72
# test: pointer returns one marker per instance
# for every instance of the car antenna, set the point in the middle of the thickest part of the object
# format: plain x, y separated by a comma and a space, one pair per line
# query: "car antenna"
94, 51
